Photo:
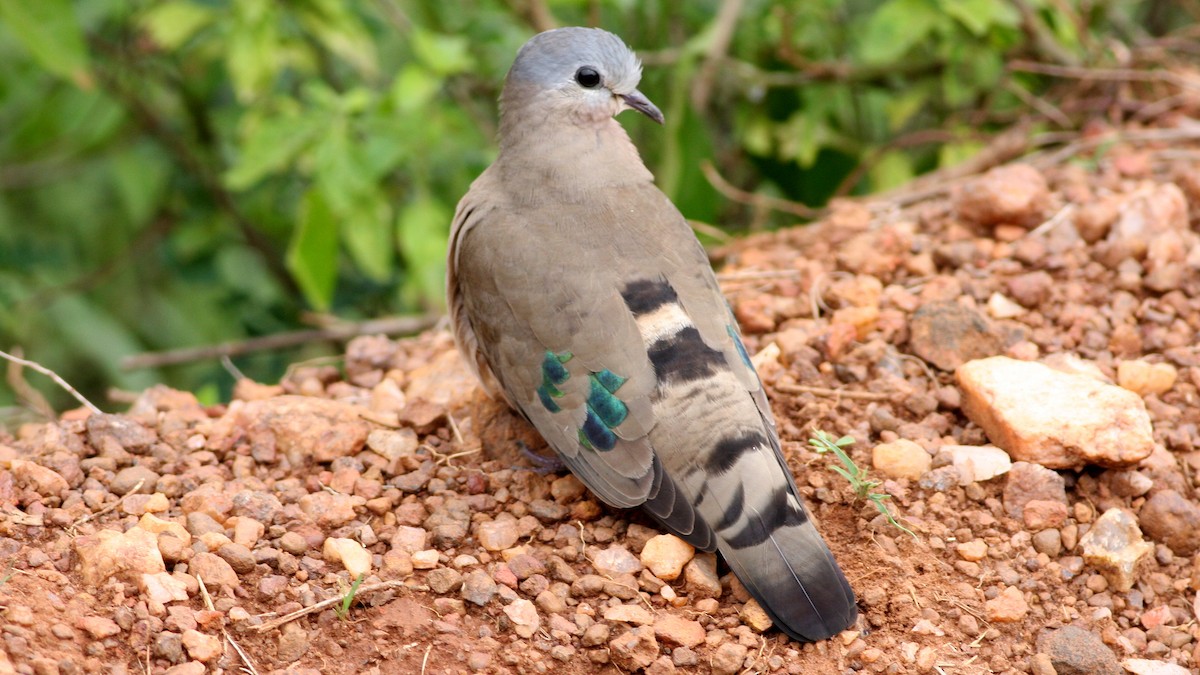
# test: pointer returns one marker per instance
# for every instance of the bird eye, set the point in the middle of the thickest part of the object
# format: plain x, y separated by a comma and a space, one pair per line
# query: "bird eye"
587, 77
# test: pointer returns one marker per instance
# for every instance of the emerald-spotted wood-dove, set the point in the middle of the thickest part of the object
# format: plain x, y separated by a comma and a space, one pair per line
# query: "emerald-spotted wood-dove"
579, 293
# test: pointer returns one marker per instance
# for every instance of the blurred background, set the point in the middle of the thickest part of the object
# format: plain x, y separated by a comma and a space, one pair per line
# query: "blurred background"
187, 173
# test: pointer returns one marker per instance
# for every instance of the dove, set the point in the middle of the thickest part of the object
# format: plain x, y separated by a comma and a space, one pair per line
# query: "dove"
578, 292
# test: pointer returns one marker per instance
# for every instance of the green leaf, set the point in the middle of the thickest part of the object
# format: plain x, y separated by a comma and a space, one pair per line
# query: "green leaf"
443, 54
895, 28
51, 33
140, 177
270, 147
253, 51
413, 88
423, 227
951, 154
367, 232
313, 251
894, 168
342, 170
173, 23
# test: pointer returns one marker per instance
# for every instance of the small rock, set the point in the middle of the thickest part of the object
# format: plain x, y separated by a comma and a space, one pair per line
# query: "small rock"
524, 617
1031, 482
1007, 607
700, 576
753, 615
293, 642
676, 630
443, 580
1169, 518
497, 535
665, 555
1143, 377
616, 560
947, 335
99, 627
1114, 546
128, 478
478, 587
425, 560
1040, 514
634, 649
1001, 307
45, 482
635, 614
1038, 414
155, 525
1077, 651
478, 661
201, 647
728, 658
239, 557
978, 463
1048, 542
901, 459
1148, 667
661, 666
163, 588
393, 444
972, 551
189, 668
350, 553
214, 570
1013, 194
128, 555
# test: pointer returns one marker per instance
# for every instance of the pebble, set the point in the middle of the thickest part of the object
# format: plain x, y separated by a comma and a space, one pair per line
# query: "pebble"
901, 458
214, 570
677, 630
635, 614
1040, 514
444, 580
755, 616
524, 617
615, 560
200, 646
44, 481
1013, 194
497, 535
113, 554
155, 525
1061, 421
349, 553
1007, 607
727, 659
1048, 542
99, 627
1149, 667
410, 539
1142, 377
1114, 546
1031, 482
634, 649
1169, 518
978, 463
700, 576
425, 560
1075, 650
129, 477
972, 551
162, 588
238, 556
665, 555
948, 334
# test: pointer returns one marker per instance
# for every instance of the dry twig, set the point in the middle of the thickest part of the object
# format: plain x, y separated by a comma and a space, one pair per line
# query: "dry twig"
832, 393
288, 618
753, 198
53, 376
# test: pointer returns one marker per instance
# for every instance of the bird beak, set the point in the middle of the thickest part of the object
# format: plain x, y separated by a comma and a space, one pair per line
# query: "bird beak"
638, 101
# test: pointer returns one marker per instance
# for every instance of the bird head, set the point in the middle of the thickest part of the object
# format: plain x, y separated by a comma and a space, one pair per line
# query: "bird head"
587, 72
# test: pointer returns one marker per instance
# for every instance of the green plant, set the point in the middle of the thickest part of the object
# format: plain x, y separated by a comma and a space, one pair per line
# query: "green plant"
822, 443
343, 610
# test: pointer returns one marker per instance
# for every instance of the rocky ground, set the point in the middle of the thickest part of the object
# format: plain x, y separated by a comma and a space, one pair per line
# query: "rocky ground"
1014, 353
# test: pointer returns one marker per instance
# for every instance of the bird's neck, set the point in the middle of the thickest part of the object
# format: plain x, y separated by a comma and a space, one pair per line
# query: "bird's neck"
575, 158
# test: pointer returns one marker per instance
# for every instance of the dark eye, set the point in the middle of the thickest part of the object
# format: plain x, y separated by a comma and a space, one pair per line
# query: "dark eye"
587, 77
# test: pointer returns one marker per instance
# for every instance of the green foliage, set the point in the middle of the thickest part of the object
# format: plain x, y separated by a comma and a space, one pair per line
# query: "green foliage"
864, 488
343, 610
185, 172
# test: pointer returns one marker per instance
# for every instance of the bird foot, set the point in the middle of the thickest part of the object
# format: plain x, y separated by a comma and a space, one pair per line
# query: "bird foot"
542, 464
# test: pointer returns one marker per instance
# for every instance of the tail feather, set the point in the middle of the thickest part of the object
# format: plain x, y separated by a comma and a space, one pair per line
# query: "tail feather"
793, 576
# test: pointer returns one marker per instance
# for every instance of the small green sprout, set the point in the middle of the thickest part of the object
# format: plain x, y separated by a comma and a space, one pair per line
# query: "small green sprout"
343, 610
863, 487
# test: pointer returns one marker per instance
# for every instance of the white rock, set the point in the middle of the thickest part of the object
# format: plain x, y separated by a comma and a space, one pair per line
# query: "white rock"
615, 560
976, 463
665, 555
524, 617
1061, 421
1148, 667
350, 553
901, 458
